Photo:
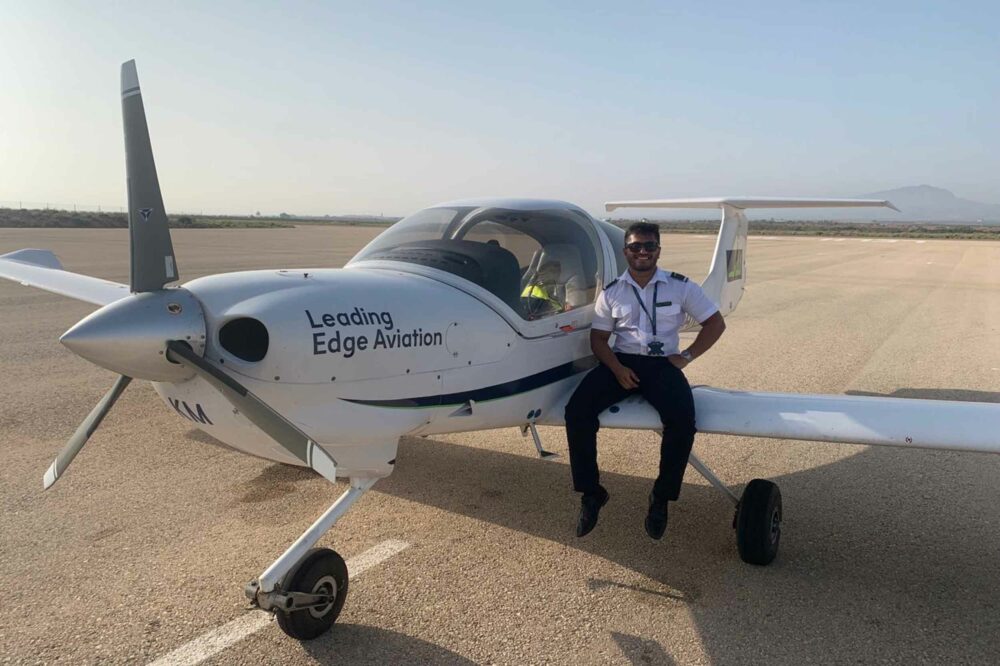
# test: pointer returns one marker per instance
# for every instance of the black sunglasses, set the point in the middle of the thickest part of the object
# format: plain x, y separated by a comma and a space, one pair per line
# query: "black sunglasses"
648, 246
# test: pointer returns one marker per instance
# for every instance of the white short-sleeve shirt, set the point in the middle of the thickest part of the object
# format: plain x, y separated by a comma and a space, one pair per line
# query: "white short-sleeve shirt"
618, 311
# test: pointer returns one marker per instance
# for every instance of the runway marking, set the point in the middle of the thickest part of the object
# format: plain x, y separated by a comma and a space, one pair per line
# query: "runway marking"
215, 641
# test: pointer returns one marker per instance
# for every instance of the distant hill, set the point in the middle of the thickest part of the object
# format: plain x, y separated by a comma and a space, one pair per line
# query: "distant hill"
934, 204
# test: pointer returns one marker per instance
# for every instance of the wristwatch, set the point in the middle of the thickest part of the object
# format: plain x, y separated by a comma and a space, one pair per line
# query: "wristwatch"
687, 356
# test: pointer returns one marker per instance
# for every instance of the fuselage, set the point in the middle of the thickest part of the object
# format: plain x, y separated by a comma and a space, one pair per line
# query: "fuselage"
389, 346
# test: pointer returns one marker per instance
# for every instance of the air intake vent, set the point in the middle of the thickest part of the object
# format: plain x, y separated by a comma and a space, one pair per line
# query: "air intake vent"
244, 338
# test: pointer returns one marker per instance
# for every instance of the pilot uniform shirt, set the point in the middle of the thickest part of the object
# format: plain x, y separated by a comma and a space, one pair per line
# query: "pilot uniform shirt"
617, 311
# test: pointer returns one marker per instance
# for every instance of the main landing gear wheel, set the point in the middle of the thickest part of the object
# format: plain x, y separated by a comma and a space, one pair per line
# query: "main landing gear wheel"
758, 522
321, 572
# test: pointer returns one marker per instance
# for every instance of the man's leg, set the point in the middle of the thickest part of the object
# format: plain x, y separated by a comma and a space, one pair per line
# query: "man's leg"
598, 391
666, 388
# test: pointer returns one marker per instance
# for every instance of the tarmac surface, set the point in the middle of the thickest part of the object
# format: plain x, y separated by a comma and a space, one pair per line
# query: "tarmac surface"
887, 555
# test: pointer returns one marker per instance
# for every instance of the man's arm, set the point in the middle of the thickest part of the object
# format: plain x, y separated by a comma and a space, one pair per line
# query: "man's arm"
711, 331
599, 345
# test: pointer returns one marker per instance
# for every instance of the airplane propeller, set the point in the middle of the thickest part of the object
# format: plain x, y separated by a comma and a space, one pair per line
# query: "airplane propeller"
133, 335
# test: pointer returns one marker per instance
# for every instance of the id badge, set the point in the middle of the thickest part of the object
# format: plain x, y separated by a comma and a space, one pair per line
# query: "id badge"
655, 348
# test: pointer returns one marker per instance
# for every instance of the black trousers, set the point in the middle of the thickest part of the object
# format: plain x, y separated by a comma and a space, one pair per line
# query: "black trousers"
665, 387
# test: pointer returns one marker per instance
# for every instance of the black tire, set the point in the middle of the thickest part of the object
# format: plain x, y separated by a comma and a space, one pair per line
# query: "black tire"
758, 522
316, 573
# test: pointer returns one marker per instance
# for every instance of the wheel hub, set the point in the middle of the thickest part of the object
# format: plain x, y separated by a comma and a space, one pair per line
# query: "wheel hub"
327, 587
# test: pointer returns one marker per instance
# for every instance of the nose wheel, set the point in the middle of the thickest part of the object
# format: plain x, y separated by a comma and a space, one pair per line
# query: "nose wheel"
306, 587
316, 590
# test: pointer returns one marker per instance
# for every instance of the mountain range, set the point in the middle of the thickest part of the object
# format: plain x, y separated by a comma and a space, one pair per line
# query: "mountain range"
925, 203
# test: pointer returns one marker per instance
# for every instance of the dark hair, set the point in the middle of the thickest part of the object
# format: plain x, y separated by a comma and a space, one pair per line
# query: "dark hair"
643, 228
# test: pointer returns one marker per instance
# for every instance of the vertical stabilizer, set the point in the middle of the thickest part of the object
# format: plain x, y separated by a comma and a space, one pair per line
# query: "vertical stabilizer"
152, 254
727, 274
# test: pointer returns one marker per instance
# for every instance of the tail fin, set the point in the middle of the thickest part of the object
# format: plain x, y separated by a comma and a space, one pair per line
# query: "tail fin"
152, 253
727, 274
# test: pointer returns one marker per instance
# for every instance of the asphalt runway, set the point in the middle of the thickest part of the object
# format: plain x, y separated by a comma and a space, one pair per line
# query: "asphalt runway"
887, 555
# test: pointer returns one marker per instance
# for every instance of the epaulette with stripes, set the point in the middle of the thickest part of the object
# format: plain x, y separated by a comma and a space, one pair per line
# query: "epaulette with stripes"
611, 284
678, 276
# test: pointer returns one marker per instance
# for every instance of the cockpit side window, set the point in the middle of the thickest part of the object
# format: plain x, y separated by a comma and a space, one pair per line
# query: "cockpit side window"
539, 262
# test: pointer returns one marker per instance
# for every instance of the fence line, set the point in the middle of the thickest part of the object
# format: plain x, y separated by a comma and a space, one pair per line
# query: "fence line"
95, 208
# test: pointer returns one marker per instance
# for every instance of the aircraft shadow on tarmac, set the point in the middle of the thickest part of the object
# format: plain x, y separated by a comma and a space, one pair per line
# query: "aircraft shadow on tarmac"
963, 395
894, 549
360, 644
641, 651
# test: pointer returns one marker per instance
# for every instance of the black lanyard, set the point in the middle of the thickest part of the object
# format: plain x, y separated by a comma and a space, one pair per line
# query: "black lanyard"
652, 319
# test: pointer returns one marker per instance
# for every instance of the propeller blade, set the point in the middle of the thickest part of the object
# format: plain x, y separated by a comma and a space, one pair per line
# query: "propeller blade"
280, 429
152, 253
83, 432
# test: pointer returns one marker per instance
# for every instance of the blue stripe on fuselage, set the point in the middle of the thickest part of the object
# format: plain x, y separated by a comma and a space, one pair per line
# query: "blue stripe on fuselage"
504, 390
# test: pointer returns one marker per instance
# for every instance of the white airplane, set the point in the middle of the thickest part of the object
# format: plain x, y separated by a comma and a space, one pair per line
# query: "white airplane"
425, 331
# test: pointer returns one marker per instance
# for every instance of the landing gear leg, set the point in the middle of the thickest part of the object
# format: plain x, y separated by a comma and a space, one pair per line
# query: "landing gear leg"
542, 453
703, 469
306, 587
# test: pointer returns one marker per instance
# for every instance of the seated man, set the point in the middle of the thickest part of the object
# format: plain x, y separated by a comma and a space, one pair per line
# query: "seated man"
572, 289
541, 295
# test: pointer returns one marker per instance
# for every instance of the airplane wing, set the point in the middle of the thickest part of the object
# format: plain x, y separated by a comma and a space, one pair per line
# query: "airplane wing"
41, 268
928, 424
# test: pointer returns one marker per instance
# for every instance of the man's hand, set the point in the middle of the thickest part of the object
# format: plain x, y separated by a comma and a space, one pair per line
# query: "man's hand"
599, 345
678, 361
626, 377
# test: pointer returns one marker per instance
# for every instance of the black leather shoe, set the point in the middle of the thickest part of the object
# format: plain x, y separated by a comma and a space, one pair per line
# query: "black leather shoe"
590, 508
656, 519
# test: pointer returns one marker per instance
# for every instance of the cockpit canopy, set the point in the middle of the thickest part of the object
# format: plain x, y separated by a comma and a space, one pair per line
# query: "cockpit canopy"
539, 261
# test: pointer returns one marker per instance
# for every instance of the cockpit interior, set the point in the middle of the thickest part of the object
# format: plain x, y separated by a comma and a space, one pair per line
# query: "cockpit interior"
539, 262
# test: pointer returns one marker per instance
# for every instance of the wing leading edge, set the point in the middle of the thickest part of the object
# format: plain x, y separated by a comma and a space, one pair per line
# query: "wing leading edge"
41, 268
905, 422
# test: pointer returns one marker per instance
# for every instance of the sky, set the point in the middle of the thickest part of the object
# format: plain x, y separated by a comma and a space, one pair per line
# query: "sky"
385, 108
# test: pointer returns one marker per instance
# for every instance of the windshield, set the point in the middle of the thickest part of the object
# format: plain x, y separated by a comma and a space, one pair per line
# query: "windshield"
539, 262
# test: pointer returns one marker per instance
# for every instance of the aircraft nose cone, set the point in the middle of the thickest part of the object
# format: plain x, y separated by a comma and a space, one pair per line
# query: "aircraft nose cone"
130, 335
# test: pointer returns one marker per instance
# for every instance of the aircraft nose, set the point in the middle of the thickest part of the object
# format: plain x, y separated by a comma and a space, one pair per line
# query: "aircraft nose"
130, 335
